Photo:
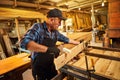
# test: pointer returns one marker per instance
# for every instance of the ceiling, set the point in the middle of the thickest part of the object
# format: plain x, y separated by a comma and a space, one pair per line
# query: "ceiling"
64, 5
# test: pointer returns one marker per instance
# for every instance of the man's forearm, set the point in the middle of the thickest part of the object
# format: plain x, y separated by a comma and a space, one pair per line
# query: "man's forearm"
33, 46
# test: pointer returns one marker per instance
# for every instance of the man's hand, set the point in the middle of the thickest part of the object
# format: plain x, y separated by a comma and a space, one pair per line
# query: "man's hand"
53, 50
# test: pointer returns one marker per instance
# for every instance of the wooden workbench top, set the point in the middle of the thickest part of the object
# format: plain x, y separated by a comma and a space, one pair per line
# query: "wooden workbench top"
13, 62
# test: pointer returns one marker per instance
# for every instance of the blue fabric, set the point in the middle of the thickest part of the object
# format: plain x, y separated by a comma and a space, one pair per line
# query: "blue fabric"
37, 33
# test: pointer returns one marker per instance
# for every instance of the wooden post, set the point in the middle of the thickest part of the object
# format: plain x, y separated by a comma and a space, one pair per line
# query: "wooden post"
38, 21
15, 3
93, 23
17, 29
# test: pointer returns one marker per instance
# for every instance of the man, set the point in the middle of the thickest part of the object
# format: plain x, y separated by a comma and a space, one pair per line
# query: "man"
41, 40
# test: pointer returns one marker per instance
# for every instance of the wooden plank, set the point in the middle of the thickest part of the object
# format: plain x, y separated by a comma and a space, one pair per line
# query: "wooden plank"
102, 64
60, 61
17, 29
74, 50
13, 13
105, 67
116, 54
8, 45
63, 59
86, 36
81, 63
30, 5
114, 68
13, 62
97, 51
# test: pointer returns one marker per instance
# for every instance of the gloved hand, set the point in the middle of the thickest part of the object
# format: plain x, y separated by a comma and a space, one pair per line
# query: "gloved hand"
81, 40
53, 50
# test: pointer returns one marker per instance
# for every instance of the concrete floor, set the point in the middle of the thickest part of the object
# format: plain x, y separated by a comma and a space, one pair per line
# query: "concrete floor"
27, 75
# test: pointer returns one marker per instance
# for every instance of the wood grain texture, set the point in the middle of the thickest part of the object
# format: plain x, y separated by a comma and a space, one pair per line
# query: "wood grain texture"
109, 68
13, 13
13, 62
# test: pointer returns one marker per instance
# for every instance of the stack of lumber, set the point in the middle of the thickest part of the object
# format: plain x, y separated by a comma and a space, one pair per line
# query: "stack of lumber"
106, 67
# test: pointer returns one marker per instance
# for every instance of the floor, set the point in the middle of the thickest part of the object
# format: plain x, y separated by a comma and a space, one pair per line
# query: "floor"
27, 75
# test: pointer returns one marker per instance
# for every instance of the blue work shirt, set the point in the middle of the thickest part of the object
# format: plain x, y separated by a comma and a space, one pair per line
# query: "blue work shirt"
37, 34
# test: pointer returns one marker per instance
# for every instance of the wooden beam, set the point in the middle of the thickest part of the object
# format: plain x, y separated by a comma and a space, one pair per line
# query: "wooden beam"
17, 29
30, 5
13, 13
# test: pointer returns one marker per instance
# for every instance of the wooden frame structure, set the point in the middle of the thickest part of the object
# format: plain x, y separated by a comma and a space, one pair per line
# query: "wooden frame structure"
87, 73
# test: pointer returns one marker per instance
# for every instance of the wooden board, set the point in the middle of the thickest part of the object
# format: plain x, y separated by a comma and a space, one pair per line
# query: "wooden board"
13, 62
74, 49
13, 13
64, 58
81, 62
86, 36
114, 68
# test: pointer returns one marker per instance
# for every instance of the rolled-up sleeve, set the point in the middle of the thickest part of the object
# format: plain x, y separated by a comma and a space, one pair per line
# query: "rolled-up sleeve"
62, 38
31, 35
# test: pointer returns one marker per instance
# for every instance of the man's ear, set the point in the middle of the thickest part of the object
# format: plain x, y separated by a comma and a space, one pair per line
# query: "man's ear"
52, 20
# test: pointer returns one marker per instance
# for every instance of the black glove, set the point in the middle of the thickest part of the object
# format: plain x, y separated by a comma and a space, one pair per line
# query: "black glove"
53, 50
81, 40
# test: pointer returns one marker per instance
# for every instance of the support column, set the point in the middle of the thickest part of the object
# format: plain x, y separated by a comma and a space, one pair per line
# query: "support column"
93, 23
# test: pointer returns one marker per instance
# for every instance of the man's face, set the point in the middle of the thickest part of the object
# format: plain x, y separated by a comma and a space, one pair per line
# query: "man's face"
55, 23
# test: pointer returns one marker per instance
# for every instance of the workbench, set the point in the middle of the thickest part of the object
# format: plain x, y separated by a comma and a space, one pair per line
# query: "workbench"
14, 65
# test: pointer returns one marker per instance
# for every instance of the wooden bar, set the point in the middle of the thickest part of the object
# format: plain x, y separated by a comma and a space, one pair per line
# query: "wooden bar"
17, 29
